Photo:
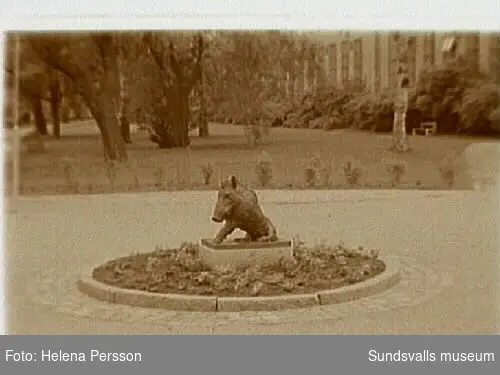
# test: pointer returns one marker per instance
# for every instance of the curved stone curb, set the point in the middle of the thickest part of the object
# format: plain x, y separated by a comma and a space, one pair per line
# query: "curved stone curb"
184, 302
111, 294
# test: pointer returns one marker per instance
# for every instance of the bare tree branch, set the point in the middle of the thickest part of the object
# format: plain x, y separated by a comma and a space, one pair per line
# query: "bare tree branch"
156, 49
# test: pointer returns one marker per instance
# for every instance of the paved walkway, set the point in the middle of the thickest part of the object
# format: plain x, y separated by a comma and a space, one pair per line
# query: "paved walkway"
446, 242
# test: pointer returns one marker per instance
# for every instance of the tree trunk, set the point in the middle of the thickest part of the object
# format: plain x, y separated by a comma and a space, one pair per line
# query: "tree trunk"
123, 102
104, 112
180, 116
40, 121
400, 140
113, 142
203, 125
55, 108
104, 103
203, 129
125, 129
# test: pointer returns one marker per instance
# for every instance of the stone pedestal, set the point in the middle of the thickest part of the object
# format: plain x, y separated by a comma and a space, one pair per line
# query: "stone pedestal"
233, 254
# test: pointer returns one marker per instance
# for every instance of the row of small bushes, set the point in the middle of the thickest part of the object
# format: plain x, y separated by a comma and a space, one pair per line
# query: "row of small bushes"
318, 173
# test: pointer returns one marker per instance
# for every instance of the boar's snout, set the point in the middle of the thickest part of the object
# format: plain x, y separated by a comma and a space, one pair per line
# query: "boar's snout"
216, 219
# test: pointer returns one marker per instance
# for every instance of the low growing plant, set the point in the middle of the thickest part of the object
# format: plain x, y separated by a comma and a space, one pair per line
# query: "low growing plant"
352, 172
396, 170
312, 171
160, 176
310, 176
207, 171
71, 174
326, 173
264, 169
448, 170
318, 171
132, 168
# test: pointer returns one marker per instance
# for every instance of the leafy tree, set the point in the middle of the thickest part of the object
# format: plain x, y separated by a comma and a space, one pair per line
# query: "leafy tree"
177, 58
90, 60
56, 95
34, 80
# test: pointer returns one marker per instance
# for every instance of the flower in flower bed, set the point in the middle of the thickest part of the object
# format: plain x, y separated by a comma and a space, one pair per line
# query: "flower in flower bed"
181, 271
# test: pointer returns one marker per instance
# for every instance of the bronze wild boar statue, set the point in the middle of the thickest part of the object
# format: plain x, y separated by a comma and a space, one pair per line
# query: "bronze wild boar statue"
238, 207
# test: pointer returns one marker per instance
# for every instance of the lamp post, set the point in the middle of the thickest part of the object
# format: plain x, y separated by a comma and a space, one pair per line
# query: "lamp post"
399, 138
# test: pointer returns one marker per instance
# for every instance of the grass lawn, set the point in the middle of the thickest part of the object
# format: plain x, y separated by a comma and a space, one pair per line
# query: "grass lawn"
151, 169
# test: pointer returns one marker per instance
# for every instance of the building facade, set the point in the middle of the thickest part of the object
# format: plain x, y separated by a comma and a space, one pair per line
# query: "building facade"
372, 56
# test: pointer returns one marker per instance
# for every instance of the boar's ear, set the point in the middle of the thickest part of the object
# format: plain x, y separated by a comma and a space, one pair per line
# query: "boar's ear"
233, 182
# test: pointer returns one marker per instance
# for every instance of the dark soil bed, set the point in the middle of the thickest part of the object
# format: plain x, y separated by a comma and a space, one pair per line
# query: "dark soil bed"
180, 271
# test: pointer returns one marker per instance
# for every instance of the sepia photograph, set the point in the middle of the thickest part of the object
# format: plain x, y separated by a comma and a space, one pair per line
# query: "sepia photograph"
251, 182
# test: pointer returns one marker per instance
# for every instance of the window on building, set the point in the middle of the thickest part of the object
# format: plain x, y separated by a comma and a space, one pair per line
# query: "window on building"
358, 60
429, 50
449, 47
311, 65
494, 60
378, 65
472, 50
345, 61
412, 60
333, 63
402, 59
449, 44
393, 60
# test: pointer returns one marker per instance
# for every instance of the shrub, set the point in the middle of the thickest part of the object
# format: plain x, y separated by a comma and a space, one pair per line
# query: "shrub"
322, 109
370, 111
160, 177
312, 171
318, 171
396, 170
207, 171
478, 103
132, 168
71, 174
458, 98
326, 173
264, 169
448, 169
318, 123
310, 176
334, 121
352, 172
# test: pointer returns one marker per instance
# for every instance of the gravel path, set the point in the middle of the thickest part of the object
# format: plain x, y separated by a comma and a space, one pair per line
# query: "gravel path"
446, 242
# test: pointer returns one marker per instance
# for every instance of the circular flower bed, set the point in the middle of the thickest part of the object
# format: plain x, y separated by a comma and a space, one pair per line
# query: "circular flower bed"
180, 271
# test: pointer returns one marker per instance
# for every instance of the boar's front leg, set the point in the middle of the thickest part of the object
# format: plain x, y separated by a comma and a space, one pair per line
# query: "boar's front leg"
225, 231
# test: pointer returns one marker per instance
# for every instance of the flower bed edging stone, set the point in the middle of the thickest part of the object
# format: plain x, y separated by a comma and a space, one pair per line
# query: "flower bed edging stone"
183, 302
111, 294
268, 303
